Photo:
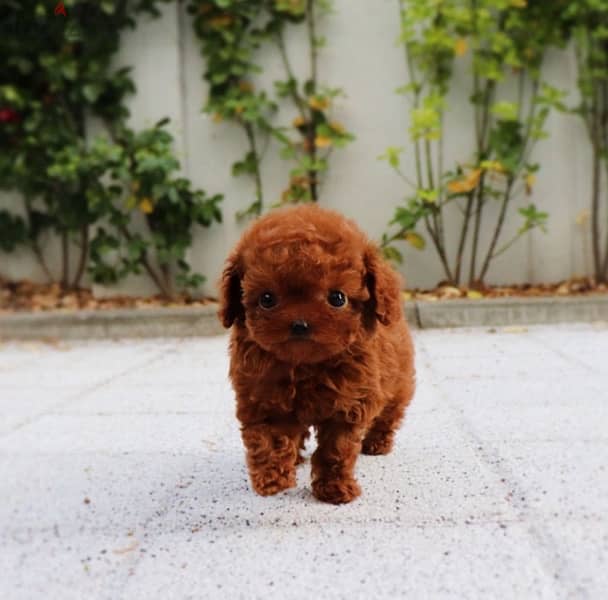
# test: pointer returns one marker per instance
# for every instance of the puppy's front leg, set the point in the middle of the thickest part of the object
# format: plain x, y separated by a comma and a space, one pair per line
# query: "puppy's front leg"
272, 453
333, 463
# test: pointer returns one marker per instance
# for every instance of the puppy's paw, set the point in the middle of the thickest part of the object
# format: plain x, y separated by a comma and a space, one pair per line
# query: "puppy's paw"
336, 491
377, 442
272, 481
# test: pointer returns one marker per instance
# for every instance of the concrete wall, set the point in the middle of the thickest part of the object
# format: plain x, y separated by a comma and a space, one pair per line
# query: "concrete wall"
363, 58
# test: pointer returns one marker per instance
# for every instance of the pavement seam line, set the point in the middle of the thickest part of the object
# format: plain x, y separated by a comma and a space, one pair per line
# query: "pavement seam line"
80, 394
566, 356
538, 536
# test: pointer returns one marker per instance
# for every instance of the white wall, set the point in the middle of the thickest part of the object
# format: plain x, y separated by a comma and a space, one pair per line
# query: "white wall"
363, 58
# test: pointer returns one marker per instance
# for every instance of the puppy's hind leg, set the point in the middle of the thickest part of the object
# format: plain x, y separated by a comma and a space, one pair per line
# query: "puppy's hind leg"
380, 436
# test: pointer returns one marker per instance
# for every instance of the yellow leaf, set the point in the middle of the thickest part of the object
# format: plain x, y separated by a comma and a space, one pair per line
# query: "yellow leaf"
220, 21
415, 240
318, 103
337, 127
493, 165
460, 47
298, 122
146, 206
514, 329
239, 109
583, 217
322, 141
467, 184
519, 3
530, 181
474, 295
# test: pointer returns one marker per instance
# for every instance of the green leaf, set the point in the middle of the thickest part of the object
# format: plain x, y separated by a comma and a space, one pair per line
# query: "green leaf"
430, 196
392, 156
507, 111
69, 70
391, 253
108, 7
91, 92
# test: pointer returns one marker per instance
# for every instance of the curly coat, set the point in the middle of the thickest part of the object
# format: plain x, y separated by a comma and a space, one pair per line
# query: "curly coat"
351, 376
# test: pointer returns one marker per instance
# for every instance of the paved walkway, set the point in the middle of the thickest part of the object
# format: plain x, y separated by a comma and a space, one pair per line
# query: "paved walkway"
122, 477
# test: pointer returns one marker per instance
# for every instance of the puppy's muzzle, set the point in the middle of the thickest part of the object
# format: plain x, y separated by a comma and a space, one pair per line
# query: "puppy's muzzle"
299, 329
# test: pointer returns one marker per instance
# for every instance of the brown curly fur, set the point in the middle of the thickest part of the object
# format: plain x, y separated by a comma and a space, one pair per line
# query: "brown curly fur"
351, 379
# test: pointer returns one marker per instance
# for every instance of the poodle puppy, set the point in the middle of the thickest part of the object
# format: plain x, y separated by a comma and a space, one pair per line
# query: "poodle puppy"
318, 339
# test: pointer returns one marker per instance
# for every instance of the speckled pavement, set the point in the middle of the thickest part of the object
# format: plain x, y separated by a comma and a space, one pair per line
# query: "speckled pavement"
122, 477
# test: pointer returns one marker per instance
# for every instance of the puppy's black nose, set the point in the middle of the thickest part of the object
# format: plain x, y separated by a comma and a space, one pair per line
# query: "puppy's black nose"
300, 328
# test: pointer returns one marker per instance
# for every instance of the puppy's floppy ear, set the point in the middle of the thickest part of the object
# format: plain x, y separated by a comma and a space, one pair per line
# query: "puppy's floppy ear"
231, 304
384, 286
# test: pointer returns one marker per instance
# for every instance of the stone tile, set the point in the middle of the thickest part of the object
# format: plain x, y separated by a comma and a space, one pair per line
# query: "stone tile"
122, 433
20, 406
87, 492
66, 568
474, 394
568, 480
80, 365
537, 422
477, 342
162, 398
496, 487
333, 561
541, 363
415, 485
590, 348
581, 545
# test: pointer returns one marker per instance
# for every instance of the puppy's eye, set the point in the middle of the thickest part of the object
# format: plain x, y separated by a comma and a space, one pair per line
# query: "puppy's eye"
336, 298
267, 300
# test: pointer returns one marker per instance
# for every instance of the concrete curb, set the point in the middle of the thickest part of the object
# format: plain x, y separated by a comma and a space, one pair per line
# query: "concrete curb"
119, 323
202, 321
511, 311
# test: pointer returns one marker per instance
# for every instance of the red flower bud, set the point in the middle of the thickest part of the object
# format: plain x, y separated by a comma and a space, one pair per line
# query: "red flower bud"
8, 115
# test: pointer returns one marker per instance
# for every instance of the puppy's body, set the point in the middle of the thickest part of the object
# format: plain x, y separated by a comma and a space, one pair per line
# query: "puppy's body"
300, 360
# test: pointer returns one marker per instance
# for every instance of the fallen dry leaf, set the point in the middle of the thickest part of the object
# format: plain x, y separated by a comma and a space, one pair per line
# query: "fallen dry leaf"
126, 549
426, 296
449, 291
514, 329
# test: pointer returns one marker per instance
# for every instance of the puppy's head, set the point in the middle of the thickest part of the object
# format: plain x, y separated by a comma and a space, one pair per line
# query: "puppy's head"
306, 284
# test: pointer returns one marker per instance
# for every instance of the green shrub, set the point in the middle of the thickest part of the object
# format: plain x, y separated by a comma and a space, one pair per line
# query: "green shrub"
230, 33
57, 74
587, 20
507, 41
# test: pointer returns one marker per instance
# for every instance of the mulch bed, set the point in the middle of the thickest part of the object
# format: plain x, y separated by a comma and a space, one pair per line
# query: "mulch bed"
581, 286
21, 296
33, 297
